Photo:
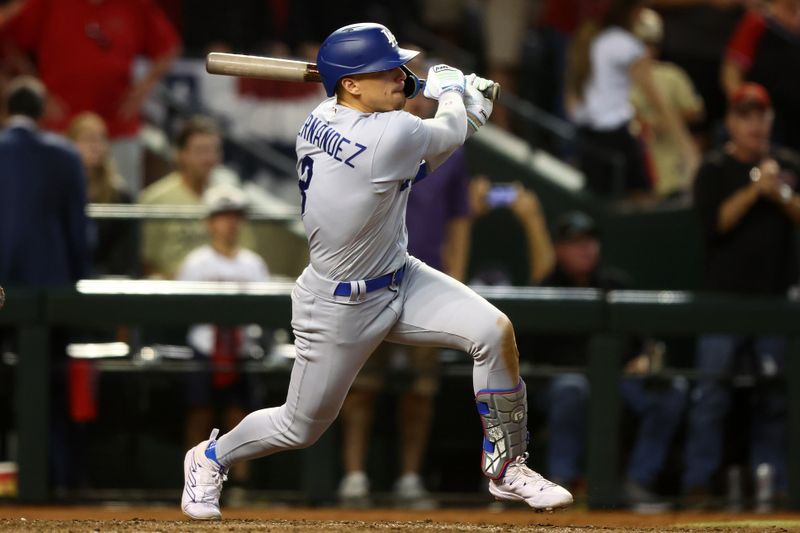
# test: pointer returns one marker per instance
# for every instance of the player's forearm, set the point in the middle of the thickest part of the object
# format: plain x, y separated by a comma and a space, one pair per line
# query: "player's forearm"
448, 129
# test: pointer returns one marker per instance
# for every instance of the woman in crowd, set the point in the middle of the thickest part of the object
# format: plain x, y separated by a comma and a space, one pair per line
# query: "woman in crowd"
113, 241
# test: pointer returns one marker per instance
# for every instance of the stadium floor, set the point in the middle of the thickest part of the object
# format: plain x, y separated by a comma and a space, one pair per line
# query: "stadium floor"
126, 518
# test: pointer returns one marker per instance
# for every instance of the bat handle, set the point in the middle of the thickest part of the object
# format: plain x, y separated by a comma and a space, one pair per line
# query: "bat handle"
492, 92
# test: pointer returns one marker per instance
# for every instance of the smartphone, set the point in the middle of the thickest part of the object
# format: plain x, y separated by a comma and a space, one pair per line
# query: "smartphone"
501, 194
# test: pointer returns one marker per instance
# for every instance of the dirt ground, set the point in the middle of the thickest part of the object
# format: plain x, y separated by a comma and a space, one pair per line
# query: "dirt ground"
301, 520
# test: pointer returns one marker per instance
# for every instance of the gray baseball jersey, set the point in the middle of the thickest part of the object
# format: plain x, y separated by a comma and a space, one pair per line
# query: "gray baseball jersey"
354, 187
355, 171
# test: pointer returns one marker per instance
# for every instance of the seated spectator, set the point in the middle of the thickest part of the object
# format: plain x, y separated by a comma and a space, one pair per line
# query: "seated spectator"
113, 241
225, 391
746, 200
165, 243
659, 409
574, 261
673, 153
438, 234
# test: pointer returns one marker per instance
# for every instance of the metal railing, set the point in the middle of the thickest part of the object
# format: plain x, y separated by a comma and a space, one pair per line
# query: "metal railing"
608, 318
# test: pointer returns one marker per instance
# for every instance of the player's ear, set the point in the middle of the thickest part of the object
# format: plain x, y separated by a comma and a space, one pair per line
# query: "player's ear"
350, 85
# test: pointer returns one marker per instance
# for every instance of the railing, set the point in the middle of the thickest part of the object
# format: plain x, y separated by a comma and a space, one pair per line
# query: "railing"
609, 318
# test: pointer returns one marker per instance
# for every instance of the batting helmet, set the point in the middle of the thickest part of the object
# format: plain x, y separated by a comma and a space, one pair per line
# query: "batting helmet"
360, 49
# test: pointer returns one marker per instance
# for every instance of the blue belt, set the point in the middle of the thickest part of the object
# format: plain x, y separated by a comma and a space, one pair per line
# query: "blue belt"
390, 280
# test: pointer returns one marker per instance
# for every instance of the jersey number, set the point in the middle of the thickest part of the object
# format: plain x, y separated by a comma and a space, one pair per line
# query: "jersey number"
306, 172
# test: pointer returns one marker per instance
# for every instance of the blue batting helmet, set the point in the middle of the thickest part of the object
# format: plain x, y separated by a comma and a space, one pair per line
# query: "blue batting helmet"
359, 49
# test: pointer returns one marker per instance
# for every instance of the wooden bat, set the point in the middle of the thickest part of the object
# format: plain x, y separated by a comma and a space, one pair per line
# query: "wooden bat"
273, 68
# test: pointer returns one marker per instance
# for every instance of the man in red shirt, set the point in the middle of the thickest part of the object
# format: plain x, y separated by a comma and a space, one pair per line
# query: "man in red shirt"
84, 51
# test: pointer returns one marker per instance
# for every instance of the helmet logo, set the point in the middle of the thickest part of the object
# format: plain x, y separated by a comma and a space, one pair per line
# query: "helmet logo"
389, 37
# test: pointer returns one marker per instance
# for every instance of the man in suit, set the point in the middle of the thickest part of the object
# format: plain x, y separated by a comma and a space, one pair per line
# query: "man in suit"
42, 196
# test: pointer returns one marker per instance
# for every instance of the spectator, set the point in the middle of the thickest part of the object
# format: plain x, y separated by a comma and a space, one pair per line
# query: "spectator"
558, 21
505, 23
604, 61
113, 242
527, 212
748, 209
574, 261
226, 388
674, 155
43, 238
42, 196
695, 36
438, 234
165, 244
765, 48
659, 409
84, 52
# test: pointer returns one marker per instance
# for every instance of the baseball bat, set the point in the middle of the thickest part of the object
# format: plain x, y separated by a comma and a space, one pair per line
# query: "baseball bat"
273, 68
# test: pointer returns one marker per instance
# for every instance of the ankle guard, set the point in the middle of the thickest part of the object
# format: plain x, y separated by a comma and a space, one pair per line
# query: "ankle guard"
504, 414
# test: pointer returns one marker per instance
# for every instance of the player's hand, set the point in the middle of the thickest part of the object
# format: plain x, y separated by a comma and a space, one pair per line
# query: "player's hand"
442, 79
479, 83
479, 108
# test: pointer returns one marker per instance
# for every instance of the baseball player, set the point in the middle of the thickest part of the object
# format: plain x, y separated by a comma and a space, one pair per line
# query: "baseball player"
358, 155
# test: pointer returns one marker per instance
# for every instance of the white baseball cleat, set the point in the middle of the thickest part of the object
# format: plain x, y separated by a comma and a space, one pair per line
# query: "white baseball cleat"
202, 482
520, 483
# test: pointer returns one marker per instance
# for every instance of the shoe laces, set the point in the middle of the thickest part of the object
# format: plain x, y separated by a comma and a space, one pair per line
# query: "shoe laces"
519, 471
209, 474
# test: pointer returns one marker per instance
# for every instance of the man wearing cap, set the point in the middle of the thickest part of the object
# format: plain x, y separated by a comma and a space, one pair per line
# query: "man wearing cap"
659, 410
224, 391
746, 200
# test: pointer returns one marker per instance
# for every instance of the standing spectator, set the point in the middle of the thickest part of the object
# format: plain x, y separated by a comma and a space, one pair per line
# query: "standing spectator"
226, 388
165, 244
748, 208
42, 196
43, 236
674, 155
695, 35
558, 21
438, 234
84, 51
113, 243
505, 23
765, 49
604, 61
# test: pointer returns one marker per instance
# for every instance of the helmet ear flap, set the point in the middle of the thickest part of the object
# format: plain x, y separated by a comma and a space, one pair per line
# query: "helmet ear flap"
412, 84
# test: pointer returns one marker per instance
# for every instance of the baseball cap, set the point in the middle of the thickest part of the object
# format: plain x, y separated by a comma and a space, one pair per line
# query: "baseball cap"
224, 198
749, 96
574, 224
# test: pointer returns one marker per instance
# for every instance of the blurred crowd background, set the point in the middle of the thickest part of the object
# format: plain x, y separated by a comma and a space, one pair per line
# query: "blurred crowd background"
636, 145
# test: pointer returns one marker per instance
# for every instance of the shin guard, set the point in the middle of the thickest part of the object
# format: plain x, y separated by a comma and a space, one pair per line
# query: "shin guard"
504, 415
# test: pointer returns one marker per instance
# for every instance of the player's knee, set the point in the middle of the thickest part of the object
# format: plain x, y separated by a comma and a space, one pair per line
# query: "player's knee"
497, 339
306, 435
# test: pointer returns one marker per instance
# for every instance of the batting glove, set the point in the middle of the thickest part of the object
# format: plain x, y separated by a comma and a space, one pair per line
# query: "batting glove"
479, 108
441, 79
